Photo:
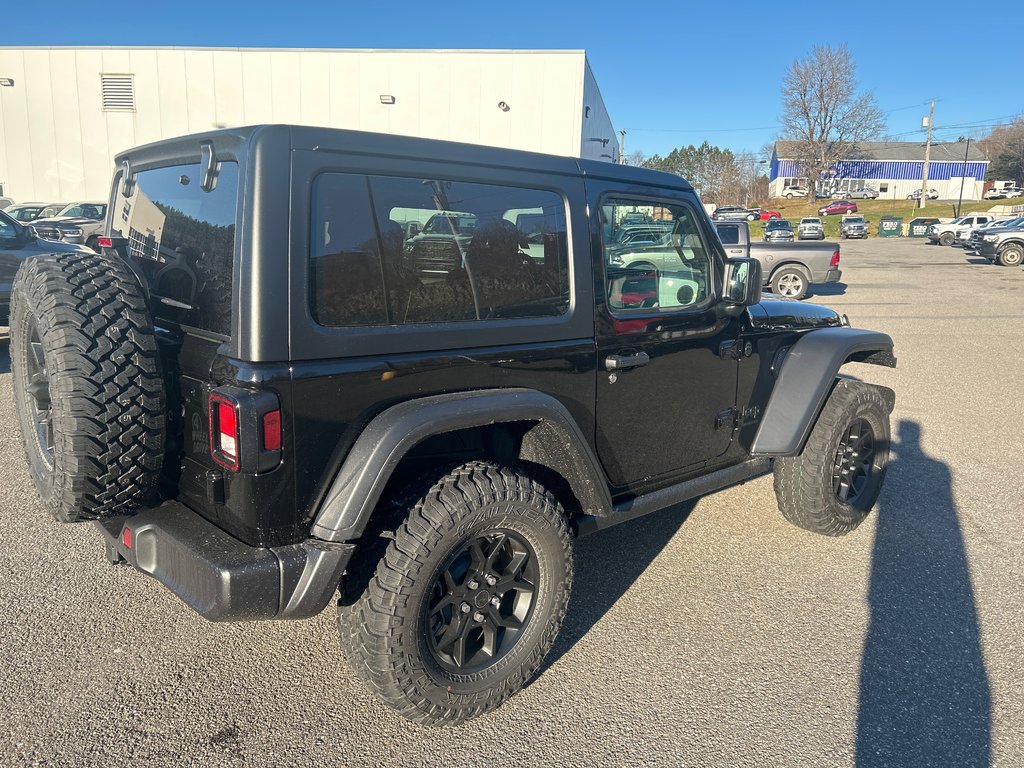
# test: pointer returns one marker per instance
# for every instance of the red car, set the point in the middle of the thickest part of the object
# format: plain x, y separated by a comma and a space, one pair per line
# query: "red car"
768, 215
838, 206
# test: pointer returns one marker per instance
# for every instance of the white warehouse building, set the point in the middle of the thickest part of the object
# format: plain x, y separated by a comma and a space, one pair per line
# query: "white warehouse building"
65, 112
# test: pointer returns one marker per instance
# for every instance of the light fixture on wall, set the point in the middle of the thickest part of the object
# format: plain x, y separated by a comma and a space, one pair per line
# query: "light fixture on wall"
6, 82
386, 98
604, 142
503, 106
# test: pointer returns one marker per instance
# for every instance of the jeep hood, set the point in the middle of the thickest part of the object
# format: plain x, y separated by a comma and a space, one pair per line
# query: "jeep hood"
790, 314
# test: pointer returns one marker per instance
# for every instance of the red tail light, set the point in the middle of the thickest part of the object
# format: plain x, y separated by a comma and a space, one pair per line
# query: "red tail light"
224, 432
272, 431
245, 429
835, 259
104, 242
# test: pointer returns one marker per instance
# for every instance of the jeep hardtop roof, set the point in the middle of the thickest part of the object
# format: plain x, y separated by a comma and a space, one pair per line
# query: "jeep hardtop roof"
274, 138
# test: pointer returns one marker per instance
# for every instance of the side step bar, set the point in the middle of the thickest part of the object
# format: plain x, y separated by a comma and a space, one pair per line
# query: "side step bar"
676, 494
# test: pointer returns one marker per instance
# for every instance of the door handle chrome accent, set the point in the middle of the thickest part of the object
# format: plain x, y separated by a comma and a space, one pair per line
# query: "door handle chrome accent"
622, 362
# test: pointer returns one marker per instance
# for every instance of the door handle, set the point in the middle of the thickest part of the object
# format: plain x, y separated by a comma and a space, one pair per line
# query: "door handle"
622, 362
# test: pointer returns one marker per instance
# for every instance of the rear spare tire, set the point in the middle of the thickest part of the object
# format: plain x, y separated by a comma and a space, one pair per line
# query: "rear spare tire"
88, 392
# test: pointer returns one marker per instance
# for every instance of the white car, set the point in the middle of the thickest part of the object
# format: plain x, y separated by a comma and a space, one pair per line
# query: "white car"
933, 194
792, 192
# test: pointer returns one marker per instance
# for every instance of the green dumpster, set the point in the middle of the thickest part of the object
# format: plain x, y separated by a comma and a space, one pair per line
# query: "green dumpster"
919, 227
890, 226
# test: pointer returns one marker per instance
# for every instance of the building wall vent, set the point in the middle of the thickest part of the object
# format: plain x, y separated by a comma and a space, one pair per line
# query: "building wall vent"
118, 93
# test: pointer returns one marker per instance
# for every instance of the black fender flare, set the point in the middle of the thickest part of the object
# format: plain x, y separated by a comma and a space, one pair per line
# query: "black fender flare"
358, 486
807, 377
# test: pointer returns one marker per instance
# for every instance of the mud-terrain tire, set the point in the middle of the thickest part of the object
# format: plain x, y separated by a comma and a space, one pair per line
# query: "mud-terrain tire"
790, 282
87, 387
810, 487
1011, 255
483, 536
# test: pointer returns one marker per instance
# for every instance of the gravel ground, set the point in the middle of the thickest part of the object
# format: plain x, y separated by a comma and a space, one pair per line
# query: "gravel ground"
712, 635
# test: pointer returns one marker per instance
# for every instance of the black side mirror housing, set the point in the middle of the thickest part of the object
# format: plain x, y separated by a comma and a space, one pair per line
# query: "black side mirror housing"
743, 279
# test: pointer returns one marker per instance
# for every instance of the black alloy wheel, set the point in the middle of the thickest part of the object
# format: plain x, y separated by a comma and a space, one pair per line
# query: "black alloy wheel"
854, 462
481, 602
38, 388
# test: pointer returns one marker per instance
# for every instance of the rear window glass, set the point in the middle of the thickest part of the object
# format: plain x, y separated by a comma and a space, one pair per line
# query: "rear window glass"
392, 251
729, 235
184, 241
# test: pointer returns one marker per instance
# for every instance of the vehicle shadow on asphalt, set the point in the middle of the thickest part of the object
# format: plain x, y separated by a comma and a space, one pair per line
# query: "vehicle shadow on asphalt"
607, 565
925, 697
828, 289
5, 353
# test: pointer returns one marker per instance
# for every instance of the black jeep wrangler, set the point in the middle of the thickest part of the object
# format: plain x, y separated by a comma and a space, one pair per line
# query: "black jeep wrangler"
265, 400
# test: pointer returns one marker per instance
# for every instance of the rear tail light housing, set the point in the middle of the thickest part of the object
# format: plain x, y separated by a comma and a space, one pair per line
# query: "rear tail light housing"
245, 430
835, 259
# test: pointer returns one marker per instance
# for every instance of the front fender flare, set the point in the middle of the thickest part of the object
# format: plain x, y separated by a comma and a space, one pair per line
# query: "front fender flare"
806, 379
358, 486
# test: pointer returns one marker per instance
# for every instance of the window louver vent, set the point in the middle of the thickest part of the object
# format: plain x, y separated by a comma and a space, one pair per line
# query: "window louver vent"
118, 93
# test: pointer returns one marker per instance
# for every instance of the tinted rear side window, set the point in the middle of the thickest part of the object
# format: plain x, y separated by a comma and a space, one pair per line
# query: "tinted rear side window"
729, 235
392, 251
184, 241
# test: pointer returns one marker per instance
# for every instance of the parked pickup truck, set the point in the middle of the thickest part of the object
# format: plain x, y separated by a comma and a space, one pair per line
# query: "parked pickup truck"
1003, 245
789, 269
949, 233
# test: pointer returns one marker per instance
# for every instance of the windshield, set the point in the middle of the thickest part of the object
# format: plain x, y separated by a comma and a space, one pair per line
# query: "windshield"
778, 224
810, 221
855, 221
85, 210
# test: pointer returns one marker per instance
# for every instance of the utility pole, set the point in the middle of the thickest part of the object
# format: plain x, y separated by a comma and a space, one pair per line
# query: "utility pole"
927, 156
962, 175
622, 147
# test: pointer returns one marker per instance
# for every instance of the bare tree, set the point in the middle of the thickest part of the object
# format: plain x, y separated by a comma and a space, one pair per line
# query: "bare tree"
1005, 149
636, 158
823, 112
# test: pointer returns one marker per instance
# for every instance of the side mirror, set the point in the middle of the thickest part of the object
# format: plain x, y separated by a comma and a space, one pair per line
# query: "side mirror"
29, 233
412, 229
743, 282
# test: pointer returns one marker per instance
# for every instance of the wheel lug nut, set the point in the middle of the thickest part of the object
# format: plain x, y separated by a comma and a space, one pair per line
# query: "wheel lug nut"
478, 616
464, 607
473, 584
491, 581
496, 601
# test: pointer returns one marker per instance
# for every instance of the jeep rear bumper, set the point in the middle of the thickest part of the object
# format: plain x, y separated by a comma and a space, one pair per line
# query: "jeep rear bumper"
222, 578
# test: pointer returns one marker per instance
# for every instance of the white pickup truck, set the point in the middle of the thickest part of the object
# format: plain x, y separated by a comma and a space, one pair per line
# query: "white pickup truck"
951, 232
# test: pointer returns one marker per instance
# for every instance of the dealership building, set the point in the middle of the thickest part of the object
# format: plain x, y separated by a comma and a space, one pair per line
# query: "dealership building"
66, 112
893, 168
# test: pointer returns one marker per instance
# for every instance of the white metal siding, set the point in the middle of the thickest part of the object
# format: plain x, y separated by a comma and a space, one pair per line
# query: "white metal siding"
57, 142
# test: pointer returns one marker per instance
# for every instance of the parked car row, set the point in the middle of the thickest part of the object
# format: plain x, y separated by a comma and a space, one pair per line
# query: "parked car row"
997, 239
1003, 193
77, 222
18, 242
823, 193
742, 213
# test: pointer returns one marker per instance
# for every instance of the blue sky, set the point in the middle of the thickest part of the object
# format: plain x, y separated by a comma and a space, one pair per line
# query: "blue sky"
671, 73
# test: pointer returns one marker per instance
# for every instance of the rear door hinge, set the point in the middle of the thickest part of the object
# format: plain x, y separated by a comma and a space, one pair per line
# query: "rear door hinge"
727, 417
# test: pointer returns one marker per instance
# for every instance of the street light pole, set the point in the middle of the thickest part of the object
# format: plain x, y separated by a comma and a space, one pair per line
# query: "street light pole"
927, 157
622, 147
962, 175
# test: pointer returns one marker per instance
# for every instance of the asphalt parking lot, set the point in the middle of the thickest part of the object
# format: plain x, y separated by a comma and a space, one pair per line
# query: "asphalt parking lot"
717, 634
